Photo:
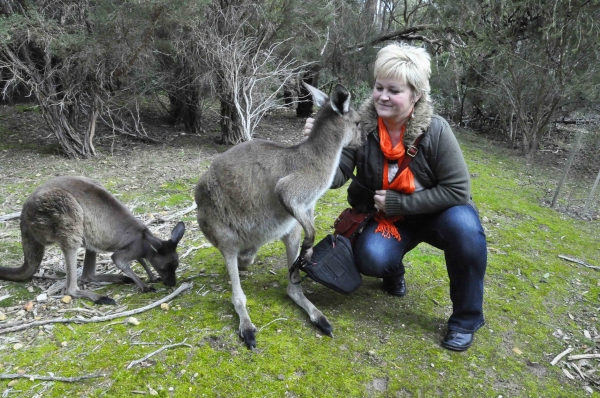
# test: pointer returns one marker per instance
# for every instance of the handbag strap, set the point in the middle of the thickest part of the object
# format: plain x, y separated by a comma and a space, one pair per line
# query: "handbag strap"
411, 151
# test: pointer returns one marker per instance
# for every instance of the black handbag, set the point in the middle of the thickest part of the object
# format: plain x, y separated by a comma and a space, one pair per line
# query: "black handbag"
332, 265
332, 262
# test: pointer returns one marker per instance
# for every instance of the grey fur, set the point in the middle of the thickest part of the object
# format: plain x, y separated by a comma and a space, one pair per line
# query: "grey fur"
260, 191
78, 212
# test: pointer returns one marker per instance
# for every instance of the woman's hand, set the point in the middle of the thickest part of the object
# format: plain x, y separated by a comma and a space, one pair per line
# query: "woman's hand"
380, 200
308, 126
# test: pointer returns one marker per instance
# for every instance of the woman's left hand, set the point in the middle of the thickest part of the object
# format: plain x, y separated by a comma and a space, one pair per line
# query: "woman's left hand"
380, 200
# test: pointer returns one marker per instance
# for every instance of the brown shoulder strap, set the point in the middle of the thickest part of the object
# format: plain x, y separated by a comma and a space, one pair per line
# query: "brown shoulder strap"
411, 151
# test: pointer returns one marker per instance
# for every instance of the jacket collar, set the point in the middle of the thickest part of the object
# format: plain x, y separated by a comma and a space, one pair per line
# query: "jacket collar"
418, 124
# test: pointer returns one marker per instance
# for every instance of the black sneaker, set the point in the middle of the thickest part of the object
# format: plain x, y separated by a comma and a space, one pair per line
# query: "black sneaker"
396, 286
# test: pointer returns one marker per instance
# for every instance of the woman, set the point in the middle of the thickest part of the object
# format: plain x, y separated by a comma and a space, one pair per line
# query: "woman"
429, 201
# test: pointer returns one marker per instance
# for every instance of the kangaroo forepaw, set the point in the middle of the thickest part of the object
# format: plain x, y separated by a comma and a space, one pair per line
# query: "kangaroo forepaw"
105, 300
249, 338
324, 325
306, 254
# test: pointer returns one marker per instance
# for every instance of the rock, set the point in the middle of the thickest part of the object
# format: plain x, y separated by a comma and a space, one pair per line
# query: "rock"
12, 383
41, 297
66, 299
2, 316
133, 321
164, 306
17, 346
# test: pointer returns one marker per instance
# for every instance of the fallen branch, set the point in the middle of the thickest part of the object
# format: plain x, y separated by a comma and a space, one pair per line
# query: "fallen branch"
50, 378
580, 262
138, 361
183, 287
10, 216
559, 356
170, 217
191, 249
583, 377
583, 356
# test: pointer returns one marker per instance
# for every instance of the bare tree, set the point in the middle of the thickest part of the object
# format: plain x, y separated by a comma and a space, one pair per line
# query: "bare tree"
55, 51
250, 68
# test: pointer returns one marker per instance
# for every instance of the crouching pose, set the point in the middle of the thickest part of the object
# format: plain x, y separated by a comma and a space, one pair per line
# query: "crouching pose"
78, 212
428, 201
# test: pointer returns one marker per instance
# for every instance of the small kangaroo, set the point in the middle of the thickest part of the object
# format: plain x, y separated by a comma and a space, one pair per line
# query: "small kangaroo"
259, 191
78, 212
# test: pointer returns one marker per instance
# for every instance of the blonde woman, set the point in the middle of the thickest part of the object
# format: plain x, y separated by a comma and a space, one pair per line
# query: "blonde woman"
428, 201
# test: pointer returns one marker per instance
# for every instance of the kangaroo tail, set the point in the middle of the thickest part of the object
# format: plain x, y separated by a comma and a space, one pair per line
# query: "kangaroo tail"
33, 251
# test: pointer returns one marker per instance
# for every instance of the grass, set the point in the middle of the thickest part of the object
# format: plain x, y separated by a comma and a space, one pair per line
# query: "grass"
383, 346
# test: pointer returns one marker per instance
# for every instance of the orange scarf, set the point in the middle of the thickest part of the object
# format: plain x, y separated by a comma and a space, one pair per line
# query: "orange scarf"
403, 182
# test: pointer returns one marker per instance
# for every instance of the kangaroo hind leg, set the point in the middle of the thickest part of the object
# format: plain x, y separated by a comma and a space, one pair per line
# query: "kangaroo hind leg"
238, 298
294, 288
70, 253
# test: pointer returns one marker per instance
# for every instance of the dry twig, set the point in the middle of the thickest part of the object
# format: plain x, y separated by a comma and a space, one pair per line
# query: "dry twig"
559, 356
50, 378
10, 216
184, 286
583, 356
578, 261
138, 361
170, 217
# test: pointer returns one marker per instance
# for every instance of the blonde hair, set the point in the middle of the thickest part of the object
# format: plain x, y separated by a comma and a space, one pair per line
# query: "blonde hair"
411, 65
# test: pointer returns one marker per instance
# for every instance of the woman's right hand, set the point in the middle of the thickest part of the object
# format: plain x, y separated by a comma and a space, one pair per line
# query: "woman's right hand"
308, 126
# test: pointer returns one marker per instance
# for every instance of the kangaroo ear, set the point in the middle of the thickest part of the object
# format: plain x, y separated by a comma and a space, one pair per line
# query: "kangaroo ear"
151, 242
177, 232
340, 99
319, 97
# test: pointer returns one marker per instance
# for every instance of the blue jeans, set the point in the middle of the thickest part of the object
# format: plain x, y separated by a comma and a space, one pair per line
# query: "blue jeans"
458, 232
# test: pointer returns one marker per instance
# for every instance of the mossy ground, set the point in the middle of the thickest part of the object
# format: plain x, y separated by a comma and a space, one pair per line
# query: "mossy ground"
383, 346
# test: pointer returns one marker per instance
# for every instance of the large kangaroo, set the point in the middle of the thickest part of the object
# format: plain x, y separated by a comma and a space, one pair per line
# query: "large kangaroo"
78, 212
260, 191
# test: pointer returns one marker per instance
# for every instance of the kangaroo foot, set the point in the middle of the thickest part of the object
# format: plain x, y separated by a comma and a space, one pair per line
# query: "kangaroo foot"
324, 325
105, 300
147, 289
249, 338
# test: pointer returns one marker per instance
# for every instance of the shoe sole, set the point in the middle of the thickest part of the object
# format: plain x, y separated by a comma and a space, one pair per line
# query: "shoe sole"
456, 348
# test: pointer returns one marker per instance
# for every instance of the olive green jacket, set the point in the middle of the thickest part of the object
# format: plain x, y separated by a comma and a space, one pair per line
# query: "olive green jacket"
439, 166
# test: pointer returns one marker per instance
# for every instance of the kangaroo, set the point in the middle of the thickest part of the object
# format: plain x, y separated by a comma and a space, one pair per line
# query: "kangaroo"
78, 212
259, 191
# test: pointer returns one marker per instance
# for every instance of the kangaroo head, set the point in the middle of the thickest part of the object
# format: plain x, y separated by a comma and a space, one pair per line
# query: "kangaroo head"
162, 254
348, 119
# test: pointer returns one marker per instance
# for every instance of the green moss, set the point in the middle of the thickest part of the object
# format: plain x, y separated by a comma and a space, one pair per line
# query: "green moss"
379, 340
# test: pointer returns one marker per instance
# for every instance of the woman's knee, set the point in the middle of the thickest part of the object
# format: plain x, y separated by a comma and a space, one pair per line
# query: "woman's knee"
378, 256
461, 223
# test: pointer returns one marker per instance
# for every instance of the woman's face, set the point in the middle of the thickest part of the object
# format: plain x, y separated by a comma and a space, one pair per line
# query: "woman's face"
394, 100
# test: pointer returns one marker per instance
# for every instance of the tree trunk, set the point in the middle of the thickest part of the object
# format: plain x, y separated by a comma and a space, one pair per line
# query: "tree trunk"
567, 168
231, 133
588, 202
